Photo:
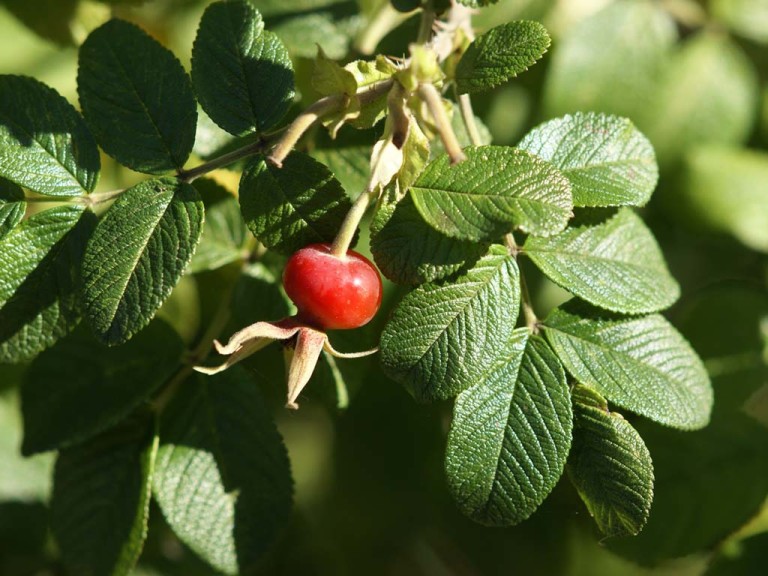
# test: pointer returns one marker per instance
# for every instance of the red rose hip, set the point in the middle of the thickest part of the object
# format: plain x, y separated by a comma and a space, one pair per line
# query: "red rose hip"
332, 292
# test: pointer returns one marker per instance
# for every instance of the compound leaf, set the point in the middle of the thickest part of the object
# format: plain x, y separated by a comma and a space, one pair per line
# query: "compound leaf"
608, 161
137, 98
37, 300
409, 251
501, 54
615, 264
494, 190
80, 387
44, 143
443, 337
223, 478
641, 364
12, 206
101, 493
510, 435
242, 74
609, 465
137, 254
287, 208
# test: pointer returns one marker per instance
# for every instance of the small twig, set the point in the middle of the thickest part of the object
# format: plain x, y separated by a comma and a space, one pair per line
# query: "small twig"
426, 23
468, 117
434, 102
302, 123
223, 160
531, 321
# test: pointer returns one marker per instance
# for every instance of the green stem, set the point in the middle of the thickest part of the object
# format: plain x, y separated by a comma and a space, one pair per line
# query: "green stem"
531, 320
468, 117
379, 25
434, 102
427, 21
351, 222
223, 160
301, 124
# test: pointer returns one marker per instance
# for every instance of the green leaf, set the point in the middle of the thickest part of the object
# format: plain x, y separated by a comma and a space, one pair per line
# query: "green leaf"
640, 364
224, 235
137, 98
747, 18
443, 337
242, 74
12, 206
303, 33
137, 255
723, 190
614, 263
501, 54
725, 465
611, 61
44, 143
409, 251
476, 3
328, 77
101, 493
510, 435
493, 191
608, 161
80, 387
709, 94
609, 465
287, 208
37, 300
350, 165
223, 479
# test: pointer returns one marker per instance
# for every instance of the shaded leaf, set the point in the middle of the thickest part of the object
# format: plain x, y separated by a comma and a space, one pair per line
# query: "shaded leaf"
242, 74
12, 206
223, 479
501, 54
304, 32
101, 493
723, 190
80, 387
224, 235
613, 263
510, 434
611, 61
708, 94
350, 165
641, 364
44, 143
137, 255
609, 465
409, 251
608, 161
493, 191
137, 98
443, 337
287, 208
37, 300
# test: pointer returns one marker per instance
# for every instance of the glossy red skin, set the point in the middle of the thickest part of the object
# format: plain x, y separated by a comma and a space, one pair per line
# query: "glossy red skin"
332, 293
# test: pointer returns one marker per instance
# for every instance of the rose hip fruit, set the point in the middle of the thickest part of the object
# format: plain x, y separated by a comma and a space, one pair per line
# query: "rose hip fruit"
331, 292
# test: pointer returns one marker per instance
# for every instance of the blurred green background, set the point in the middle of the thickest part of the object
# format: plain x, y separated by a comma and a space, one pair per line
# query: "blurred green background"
370, 495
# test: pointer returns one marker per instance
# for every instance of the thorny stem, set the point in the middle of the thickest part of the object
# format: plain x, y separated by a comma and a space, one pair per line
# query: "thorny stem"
434, 102
531, 321
468, 117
